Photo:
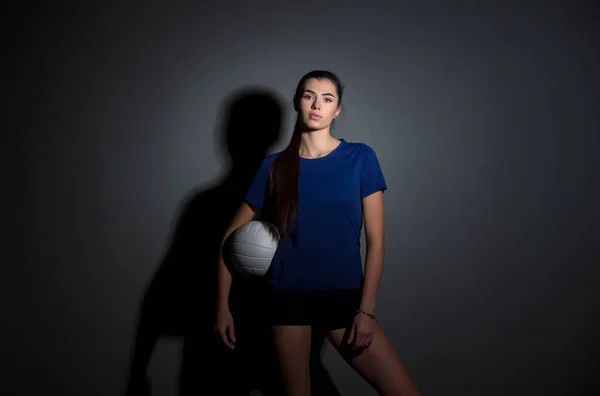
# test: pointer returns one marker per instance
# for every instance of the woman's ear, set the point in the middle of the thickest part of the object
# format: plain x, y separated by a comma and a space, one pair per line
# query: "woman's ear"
338, 111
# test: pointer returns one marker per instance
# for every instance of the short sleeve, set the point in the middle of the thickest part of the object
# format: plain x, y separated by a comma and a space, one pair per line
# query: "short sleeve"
258, 188
371, 175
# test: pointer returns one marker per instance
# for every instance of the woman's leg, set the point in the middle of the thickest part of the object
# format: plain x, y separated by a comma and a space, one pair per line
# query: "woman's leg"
292, 344
378, 364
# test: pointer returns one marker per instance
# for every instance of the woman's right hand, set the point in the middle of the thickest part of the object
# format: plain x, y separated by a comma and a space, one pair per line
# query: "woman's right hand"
225, 327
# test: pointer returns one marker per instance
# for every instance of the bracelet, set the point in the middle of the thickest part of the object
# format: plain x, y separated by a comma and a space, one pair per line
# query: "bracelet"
370, 315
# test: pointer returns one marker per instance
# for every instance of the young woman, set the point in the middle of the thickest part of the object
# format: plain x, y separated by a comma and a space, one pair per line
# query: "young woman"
318, 192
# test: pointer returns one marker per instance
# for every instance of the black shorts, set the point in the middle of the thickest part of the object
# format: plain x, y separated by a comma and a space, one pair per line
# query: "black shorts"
324, 309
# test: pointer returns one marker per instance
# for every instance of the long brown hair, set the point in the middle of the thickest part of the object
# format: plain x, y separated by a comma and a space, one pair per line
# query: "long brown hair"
285, 172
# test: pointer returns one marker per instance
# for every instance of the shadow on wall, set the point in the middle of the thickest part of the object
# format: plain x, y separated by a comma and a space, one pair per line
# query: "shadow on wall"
180, 301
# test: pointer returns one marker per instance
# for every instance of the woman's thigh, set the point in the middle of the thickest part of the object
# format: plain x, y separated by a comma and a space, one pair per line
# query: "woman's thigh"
292, 345
379, 364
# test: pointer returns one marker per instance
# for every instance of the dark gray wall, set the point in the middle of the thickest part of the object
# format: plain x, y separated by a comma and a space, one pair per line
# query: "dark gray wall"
485, 120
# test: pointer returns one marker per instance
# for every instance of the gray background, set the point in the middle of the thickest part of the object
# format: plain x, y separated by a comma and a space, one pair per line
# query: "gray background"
485, 121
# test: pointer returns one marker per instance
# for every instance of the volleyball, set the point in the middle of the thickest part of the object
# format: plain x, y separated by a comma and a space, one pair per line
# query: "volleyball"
253, 246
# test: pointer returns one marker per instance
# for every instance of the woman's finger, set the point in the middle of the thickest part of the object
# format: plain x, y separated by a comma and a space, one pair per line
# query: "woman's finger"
223, 334
232, 334
370, 339
351, 334
360, 340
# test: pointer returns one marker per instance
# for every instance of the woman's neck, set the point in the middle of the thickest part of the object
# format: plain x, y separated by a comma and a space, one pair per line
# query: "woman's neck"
316, 144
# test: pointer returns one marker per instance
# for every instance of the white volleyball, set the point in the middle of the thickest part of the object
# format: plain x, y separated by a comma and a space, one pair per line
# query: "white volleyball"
253, 246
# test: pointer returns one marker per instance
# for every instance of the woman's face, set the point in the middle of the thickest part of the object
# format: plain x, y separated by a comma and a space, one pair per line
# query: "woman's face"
319, 103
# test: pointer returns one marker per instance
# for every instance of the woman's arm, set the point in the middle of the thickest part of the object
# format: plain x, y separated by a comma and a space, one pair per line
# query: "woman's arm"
374, 233
244, 215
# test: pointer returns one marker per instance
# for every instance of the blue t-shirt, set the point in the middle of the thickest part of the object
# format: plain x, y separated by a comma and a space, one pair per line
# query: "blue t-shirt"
322, 251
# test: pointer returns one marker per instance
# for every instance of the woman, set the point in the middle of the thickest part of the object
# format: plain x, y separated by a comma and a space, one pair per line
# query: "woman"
318, 191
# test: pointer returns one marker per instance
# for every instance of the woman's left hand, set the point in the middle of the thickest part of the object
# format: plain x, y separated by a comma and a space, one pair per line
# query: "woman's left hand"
362, 331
